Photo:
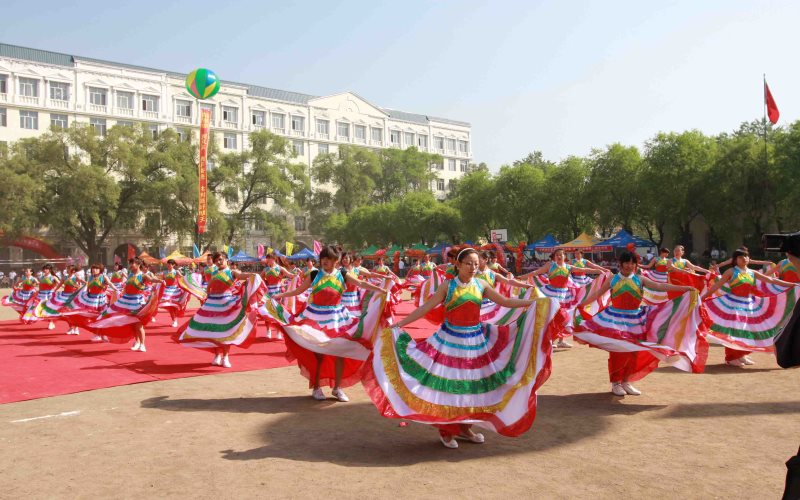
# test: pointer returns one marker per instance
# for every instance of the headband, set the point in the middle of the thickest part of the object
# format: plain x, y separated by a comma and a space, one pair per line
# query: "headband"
464, 250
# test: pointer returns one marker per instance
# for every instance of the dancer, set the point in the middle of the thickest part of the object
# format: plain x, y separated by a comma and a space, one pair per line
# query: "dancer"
47, 284
468, 372
228, 316
742, 321
656, 270
90, 302
127, 317
559, 285
23, 294
173, 299
118, 278
496, 267
329, 344
489, 308
785, 270
637, 337
578, 266
682, 272
62, 295
273, 276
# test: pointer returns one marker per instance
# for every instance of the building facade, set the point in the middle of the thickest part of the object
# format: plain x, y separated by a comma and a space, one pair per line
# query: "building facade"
40, 89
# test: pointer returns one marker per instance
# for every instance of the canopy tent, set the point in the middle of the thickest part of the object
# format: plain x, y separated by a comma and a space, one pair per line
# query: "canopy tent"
623, 238
178, 257
370, 250
303, 255
439, 248
393, 249
584, 243
241, 256
149, 259
202, 258
544, 245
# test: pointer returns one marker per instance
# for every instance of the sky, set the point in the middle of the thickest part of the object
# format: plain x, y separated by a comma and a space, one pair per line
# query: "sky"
560, 77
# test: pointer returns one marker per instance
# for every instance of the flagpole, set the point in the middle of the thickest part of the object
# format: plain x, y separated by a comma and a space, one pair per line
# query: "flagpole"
766, 155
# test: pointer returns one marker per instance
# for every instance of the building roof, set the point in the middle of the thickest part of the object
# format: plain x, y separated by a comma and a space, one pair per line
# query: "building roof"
58, 59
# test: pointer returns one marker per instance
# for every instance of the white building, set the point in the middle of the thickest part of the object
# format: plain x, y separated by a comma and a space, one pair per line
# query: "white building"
40, 88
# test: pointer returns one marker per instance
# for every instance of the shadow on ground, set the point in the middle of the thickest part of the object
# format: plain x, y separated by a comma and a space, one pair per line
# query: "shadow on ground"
354, 434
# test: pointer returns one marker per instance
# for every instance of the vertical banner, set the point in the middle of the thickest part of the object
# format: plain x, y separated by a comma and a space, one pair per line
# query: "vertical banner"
205, 123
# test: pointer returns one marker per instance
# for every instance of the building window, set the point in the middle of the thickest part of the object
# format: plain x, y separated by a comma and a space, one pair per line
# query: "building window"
58, 121
209, 107
438, 143
451, 144
183, 135
230, 115
153, 130
323, 149
360, 132
299, 148
323, 127
229, 141
98, 96
440, 184
124, 123
343, 130
278, 121
408, 138
3, 84
439, 166
29, 120
463, 146
451, 164
464, 165
422, 141
298, 123
258, 118
59, 91
29, 87
124, 100
394, 137
183, 108
3, 117
99, 126
300, 223
150, 103
377, 134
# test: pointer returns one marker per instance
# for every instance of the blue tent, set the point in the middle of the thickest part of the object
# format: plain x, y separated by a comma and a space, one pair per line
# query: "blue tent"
548, 241
303, 255
438, 249
623, 238
243, 257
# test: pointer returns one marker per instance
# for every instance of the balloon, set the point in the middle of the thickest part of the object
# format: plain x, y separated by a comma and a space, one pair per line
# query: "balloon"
202, 83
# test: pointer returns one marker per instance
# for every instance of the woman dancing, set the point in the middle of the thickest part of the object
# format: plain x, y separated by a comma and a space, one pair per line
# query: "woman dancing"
637, 336
229, 314
742, 320
468, 373
23, 294
127, 317
328, 342
174, 299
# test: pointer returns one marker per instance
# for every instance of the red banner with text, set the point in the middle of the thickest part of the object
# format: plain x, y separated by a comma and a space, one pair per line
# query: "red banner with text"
205, 124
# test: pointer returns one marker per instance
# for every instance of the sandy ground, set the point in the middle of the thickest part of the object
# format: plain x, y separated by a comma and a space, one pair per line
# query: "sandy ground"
723, 434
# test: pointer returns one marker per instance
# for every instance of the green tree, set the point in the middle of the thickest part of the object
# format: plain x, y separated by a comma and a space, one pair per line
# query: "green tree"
247, 181
403, 171
566, 206
474, 198
520, 190
613, 189
351, 175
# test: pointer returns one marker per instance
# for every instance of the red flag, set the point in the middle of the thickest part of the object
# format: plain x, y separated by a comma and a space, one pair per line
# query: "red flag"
202, 198
772, 109
317, 247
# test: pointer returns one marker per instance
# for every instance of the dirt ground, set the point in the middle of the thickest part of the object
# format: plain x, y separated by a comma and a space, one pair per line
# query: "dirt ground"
723, 434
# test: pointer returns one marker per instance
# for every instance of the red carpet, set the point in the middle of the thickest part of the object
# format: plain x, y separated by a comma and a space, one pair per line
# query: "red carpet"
38, 362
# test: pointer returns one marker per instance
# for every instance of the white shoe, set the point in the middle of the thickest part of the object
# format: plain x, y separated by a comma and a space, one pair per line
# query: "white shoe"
136, 346
563, 344
142, 348
51, 326
105, 339
226, 362
318, 394
175, 323
340, 396
628, 388
97, 338
748, 361
617, 390
75, 331
475, 437
740, 362
451, 443
217, 360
